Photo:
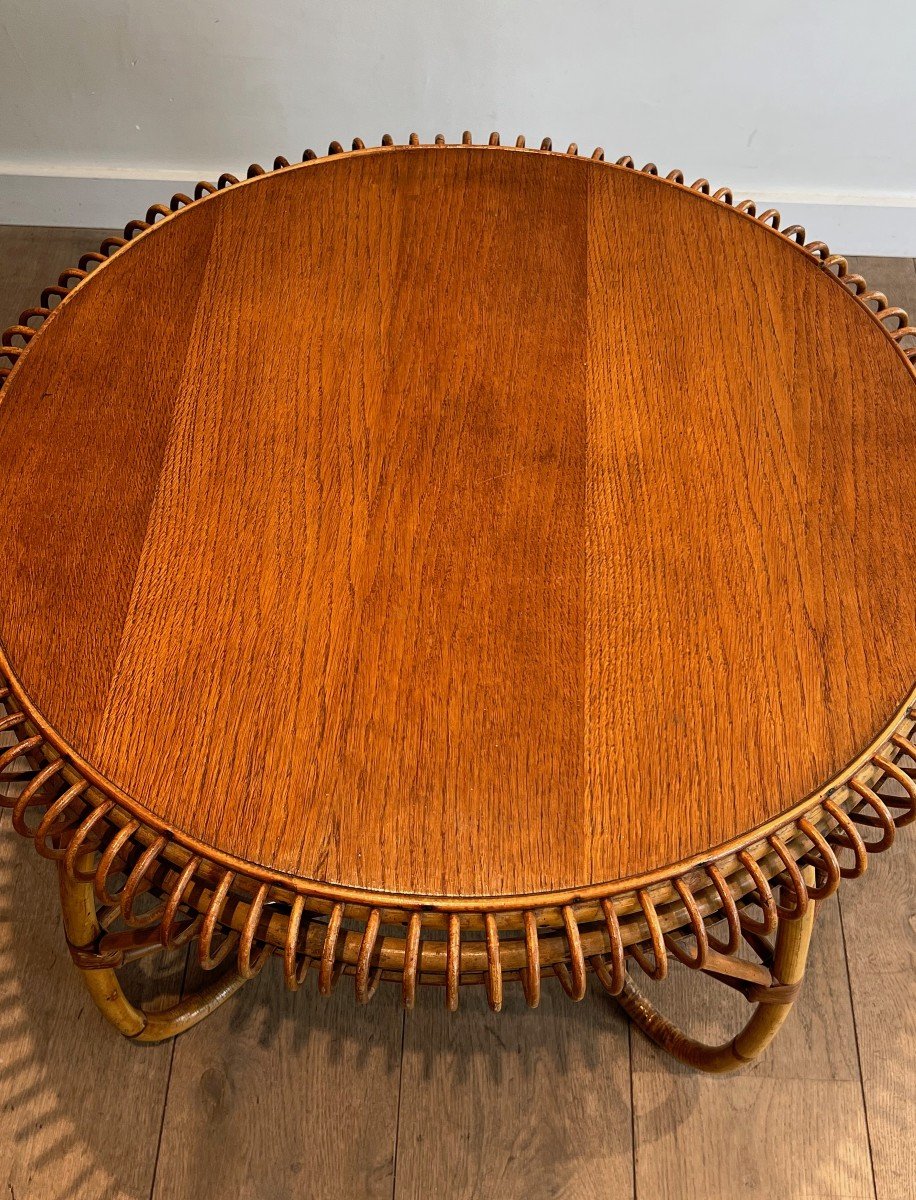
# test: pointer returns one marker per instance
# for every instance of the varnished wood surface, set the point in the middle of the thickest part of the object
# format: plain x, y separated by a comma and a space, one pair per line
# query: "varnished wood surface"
460, 521
255, 1096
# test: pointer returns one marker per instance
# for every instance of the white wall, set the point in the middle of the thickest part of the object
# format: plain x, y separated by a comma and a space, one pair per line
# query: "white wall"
106, 104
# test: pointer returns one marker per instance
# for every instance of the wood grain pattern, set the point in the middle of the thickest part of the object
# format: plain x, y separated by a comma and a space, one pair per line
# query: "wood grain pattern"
64, 1094
535, 1104
879, 921
278, 1095
461, 521
65, 1084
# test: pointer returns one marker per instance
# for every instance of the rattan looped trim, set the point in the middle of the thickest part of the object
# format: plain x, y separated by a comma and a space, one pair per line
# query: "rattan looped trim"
243, 910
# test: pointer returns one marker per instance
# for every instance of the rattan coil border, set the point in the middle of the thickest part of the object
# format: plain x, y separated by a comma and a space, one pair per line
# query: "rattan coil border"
229, 907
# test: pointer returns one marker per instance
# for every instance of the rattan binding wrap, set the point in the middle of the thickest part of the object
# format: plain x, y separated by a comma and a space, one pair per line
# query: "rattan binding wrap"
158, 890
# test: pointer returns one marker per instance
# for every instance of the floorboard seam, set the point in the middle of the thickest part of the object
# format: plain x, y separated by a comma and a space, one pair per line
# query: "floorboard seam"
855, 1037
397, 1118
632, 1105
168, 1084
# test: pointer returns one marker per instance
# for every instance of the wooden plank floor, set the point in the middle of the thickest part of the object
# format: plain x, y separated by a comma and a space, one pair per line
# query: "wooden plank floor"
280, 1096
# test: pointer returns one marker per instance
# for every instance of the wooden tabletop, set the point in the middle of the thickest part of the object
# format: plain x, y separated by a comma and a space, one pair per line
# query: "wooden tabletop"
460, 522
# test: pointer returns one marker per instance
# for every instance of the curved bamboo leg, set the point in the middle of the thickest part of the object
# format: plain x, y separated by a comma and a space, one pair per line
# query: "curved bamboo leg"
793, 939
83, 930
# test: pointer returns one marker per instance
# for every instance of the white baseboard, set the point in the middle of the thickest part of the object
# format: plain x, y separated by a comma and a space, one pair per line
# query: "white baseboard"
105, 198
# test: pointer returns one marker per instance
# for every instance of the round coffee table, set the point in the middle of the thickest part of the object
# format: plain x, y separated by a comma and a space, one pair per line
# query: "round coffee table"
458, 564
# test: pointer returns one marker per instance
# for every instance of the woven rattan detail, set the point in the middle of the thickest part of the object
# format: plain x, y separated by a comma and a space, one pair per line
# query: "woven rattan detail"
157, 889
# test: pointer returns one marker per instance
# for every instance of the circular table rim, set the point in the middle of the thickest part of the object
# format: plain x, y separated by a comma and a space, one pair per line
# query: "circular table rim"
904, 719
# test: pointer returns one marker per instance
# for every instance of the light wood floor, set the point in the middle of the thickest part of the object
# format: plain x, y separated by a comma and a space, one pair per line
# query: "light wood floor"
293, 1096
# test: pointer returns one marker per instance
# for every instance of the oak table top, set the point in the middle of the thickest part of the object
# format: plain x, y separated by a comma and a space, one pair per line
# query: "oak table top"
460, 522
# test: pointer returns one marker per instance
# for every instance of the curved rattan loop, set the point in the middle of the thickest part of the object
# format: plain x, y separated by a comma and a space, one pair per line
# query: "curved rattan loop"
729, 911
31, 797
59, 817
24, 332
906, 781
107, 861
822, 859
247, 966
675, 945
790, 879
658, 968
206, 956
8, 757
882, 818
76, 846
904, 743
494, 965
531, 972
573, 979
295, 969
849, 838
612, 981
452, 962
411, 960
133, 887
765, 900
10, 721
328, 968
367, 979
171, 933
